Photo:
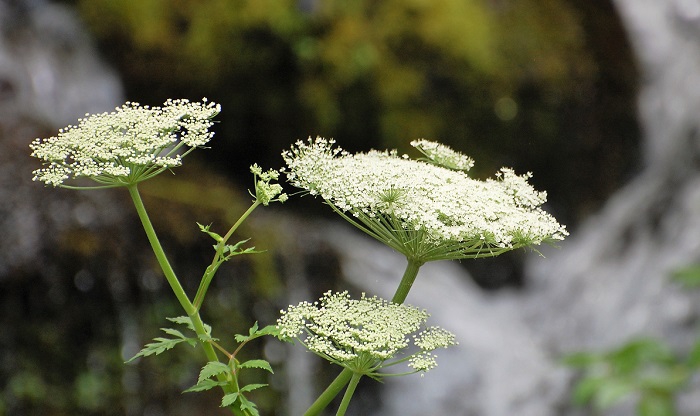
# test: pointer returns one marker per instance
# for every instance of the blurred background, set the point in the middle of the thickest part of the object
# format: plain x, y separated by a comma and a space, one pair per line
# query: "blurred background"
547, 86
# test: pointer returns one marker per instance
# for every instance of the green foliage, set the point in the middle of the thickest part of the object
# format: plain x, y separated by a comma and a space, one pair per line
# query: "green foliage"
229, 250
161, 344
688, 277
216, 374
227, 376
255, 332
647, 368
644, 367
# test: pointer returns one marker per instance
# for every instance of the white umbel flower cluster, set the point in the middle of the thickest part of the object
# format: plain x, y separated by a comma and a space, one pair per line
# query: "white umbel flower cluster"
362, 334
126, 146
407, 203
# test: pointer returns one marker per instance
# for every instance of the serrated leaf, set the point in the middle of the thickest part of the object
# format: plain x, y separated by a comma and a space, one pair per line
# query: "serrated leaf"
251, 387
182, 320
205, 385
262, 364
253, 329
174, 332
206, 338
254, 332
251, 332
154, 348
229, 399
249, 406
213, 368
269, 330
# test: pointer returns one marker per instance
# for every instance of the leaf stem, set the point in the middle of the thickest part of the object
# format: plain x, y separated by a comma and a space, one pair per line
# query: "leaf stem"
219, 258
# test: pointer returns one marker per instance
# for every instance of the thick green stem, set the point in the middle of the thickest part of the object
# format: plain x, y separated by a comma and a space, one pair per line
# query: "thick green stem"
329, 394
348, 394
173, 280
158, 251
409, 276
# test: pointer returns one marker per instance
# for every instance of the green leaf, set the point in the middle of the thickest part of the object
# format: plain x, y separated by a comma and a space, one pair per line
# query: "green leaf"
173, 332
586, 389
253, 329
251, 387
257, 364
205, 229
689, 277
656, 405
635, 355
251, 334
234, 247
249, 406
269, 330
205, 385
158, 346
611, 391
254, 332
235, 250
229, 399
182, 320
670, 380
213, 368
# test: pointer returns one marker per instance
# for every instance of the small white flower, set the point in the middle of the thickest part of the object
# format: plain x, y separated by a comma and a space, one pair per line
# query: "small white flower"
362, 334
129, 145
424, 210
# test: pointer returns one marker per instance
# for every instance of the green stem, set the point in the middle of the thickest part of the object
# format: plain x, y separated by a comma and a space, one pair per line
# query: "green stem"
348, 394
173, 280
409, 276
158, 251
329, 394
218, 258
